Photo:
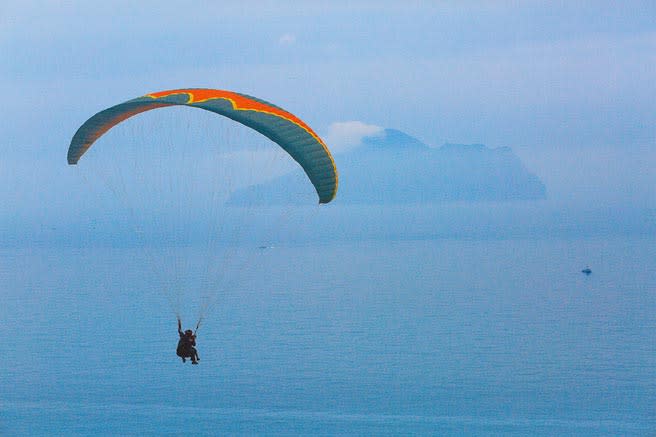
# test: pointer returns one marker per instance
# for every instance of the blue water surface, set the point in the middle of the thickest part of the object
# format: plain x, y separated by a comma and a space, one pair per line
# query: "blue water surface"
442, 337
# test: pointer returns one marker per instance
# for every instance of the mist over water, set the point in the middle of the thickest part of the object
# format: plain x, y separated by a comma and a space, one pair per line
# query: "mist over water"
425, 300
449, 318
382, 337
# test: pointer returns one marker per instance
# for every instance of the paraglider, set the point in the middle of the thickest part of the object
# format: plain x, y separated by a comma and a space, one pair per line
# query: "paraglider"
186, 345
286, 130
282, 127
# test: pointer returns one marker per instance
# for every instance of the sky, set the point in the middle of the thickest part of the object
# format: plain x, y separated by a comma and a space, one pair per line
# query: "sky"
567, 85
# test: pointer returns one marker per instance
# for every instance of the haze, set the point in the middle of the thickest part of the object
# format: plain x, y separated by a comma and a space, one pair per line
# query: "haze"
568, 86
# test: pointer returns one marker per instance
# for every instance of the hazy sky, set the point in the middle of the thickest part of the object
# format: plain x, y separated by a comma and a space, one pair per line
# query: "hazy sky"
568, 85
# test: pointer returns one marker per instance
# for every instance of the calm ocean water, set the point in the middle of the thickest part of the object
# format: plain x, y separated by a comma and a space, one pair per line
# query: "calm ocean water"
439, 337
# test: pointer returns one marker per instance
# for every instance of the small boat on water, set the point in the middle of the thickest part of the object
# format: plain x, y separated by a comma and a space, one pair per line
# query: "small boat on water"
586, 270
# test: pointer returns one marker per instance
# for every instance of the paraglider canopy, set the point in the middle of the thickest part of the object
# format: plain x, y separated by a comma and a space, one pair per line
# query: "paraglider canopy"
282, 127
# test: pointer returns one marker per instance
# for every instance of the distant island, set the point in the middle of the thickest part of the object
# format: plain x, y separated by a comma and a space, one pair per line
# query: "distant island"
396, 168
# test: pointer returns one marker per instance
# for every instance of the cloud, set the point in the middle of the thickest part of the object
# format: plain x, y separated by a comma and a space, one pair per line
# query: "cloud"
287, 39
345, 135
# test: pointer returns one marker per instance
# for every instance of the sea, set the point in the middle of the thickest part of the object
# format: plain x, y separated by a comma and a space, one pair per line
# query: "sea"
433, 336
